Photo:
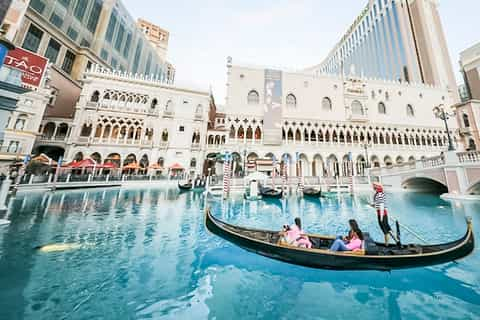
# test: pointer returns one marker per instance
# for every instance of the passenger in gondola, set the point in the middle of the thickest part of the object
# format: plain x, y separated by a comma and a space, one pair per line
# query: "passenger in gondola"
351, 242
382, 215
295, 236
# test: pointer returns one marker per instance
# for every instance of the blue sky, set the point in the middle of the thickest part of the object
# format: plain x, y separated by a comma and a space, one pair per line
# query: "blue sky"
284, 33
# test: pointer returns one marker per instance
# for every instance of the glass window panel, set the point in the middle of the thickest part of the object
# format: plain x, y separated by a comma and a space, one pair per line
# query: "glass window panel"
52, 51
111, 27
94, 15
126, 49
72, 33
56, 20
80, 9
119, 40
68, 61
37, 5
32, 39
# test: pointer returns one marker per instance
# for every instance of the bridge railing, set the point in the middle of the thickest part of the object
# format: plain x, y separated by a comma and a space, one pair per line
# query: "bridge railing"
426, 163
469, 156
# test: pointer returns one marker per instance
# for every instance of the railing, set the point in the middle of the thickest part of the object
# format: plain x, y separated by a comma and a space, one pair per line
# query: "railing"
30, 179
469, 157
198, 117
168, 114
195, 146
53, 138
11, 150
427, 163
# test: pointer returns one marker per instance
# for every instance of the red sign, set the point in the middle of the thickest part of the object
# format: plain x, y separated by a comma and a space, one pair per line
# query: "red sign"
32, 65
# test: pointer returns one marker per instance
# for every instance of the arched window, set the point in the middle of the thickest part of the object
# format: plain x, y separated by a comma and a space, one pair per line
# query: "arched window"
381, 108
199, 109
86, 130
326, 104
357, 108
95, 96
410, 111
169, 106
253, 97
466, 122
291, 101
471, 145
20, 123
154, 103
193, 163
165, 135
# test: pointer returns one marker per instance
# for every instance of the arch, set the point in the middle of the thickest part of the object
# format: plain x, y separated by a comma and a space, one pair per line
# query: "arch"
258, 133
106, 96
290, 134
387, 160
193, 163
62, 130
298, 135
199, 109
169, 106
154, 103
217, 140
375, 161
317, 166
240, 133
303, 165
113, 158
161, 162
252, 156
471, 145
291, 100
270, 155
360, 165
411, 159
424, 184
399, 160
49, 129
95, 96
106, 131
144, 163
249, 133
211, 139
326, 104
78, 156
253, 98
131, 158
332, 166
410, 111
357, 108
232, 132
313, 136
382, 109
96, 157
98, 131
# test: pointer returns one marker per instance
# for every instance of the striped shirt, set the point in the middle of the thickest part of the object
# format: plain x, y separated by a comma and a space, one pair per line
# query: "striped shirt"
379, 200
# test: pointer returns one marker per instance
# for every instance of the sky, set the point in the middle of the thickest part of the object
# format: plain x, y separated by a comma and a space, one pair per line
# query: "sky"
290, 34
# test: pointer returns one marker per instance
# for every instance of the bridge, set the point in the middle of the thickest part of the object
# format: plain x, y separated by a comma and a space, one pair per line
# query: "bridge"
456, 175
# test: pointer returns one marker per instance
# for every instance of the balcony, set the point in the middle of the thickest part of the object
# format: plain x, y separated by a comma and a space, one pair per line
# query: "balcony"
358, 117
465, 131
196, 146
163, 145
198, 117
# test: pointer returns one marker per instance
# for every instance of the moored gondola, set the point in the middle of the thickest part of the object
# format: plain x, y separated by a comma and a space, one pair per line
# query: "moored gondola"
270, 193
373, 256
312, 193
185, 187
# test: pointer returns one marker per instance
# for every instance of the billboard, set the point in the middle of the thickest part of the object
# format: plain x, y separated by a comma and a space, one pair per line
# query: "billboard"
272, 118
30, 64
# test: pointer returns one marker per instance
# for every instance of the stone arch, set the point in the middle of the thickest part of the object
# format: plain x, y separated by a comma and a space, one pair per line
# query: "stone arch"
114, 158
96, 157
303, 165
424, 184
78, 156
144, 162
131, 158
95, 96
298, 135
317, 166
387, 160
258, 133
375, 161
360, 165
399, 160
332, 166
86, 130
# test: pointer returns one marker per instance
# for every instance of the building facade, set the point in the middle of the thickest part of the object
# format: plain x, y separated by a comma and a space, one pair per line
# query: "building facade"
470, 69
332, 126
397, 40
125, 119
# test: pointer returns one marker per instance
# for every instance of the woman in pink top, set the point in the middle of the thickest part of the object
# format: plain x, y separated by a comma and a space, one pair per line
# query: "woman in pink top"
294, 235
350, 243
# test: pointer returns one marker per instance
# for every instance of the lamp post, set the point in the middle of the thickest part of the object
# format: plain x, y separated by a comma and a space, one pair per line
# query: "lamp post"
439, 112
365, 147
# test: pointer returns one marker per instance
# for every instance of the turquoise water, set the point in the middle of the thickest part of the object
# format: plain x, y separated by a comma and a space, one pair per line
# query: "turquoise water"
145, 254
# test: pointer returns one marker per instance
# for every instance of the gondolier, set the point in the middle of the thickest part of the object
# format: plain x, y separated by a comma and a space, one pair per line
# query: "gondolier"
382, 214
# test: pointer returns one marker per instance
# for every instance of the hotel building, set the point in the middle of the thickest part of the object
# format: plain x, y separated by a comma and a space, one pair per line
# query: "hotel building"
397, 40
331, 125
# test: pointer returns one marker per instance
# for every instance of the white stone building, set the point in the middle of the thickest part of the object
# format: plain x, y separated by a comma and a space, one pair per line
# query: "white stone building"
121, 118
334, 125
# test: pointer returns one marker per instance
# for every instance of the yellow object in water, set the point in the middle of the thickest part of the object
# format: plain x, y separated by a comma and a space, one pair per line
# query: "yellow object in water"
59, 247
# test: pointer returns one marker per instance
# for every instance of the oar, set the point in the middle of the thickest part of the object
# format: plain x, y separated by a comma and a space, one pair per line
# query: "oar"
406, 228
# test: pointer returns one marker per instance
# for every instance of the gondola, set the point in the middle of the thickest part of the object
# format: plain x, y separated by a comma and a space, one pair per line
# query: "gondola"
374, 256
185, 187
312, 193
270, 193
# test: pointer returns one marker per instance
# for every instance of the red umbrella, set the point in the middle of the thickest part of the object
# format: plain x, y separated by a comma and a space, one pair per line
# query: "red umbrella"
176, 166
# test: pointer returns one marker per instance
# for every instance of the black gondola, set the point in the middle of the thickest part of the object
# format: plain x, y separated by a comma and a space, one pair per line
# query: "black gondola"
312, 192
270, 193
375, 256
185, 187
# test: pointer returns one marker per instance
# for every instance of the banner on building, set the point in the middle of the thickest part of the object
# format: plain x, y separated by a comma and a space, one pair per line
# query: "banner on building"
272, 119
31, 65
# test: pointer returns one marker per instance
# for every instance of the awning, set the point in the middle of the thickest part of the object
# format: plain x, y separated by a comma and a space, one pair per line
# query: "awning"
156, 166
132, 165
176, 166
85, 163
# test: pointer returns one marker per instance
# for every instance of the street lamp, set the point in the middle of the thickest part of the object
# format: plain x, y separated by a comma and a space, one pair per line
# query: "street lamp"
440, 113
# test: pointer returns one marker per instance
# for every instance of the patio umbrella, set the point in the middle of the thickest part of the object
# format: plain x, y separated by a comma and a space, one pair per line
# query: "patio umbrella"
155, 166
44, 159
176, 166
132, 165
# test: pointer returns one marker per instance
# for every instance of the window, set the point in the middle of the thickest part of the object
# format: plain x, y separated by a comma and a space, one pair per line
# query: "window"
20, 123
326, 104
72, 33
13, 146
95, 96
193, 163
80, 9
466, 122
381, 108
149, 63
253, 97
104, 54
119, 40
52, 51
181, 128
64, 3
410, 111
199, 109
113, 63
68, 61
94, 15
84, 43
138, 52
32, 39
154, 103
357, 108
291, 101
111, 26
56, 20
126, 49
37, 5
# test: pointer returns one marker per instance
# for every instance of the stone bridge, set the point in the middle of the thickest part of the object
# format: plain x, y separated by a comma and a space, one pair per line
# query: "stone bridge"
454, 173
